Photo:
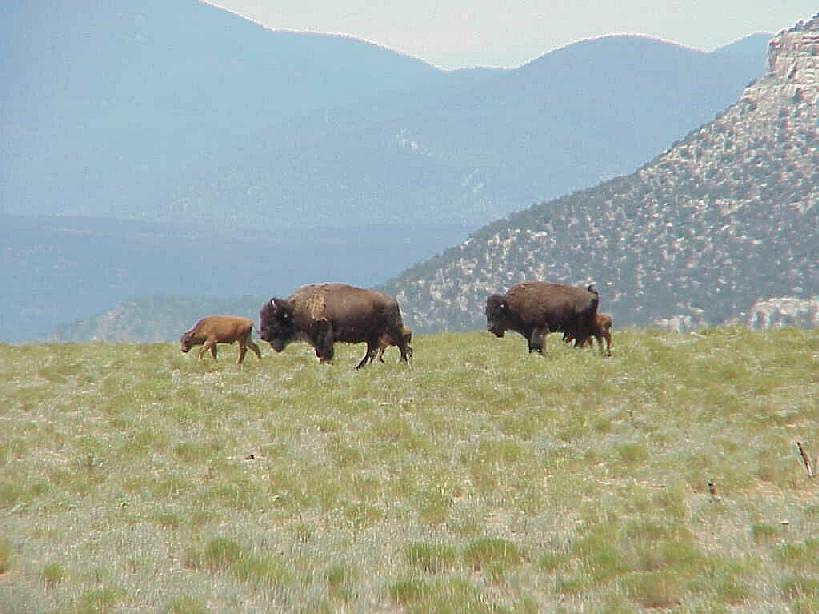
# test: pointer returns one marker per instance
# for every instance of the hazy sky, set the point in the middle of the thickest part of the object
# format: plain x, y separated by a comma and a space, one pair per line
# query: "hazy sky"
457, 33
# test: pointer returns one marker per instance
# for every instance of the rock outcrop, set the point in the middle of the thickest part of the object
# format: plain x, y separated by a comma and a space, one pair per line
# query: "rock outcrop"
786, 311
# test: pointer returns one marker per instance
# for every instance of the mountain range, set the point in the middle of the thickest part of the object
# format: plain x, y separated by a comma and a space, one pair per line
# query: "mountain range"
145, 145
180, 111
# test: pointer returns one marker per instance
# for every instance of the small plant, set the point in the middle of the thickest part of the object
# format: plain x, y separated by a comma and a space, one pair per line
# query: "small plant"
220, 553
339, 578
186, 605
441, 595
631, 453
361, 515
262, 571
799, 556
800, 587
434, 508
99, 600
655, 589
429, 558
491, 550
551, 561
408, 590
5, 555
599, 552
762, 532
574, 584
53, 574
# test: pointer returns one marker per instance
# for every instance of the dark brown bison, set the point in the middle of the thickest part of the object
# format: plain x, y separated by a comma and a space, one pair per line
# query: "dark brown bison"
321, 314
211, 330
601, 331
536, 308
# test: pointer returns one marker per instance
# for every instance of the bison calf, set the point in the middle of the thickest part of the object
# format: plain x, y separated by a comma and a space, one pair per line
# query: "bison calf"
211, 330
601, 329
387, 341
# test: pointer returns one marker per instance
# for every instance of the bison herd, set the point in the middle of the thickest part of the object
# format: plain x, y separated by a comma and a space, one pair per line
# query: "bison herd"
321, 314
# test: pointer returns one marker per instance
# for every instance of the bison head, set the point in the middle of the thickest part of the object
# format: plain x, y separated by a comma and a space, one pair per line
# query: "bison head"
276, 324
497, 314
186, 341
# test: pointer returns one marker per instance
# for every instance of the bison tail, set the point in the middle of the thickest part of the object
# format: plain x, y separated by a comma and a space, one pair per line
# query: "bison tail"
596, 299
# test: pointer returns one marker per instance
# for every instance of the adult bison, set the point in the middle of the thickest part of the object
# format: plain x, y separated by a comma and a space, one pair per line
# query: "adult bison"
536, 308
321, 314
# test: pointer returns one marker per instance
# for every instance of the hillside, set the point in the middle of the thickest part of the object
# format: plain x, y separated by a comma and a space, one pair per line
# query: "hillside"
725, 217
479, 479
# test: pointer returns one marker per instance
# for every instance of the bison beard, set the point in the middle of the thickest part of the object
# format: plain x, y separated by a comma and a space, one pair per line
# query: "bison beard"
322, 314
536, 308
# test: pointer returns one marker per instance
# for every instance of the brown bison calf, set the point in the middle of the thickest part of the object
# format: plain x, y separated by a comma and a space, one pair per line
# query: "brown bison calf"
387, 341
211, 330
601, 329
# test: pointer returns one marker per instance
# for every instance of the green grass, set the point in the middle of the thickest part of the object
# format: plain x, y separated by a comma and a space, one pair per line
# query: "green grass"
480, 478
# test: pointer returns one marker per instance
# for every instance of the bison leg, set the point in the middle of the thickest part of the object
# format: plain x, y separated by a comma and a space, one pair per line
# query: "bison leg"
208, 345
537, 340
394, 330
404, 348
242, 352
607, 336
372, 348
252, 345
323, 340
325, 352
363, 361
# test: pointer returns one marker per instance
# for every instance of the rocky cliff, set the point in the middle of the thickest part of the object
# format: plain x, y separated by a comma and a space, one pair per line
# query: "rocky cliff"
721, 220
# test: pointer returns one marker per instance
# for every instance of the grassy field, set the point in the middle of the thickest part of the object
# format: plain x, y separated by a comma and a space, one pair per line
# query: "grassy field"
479, 479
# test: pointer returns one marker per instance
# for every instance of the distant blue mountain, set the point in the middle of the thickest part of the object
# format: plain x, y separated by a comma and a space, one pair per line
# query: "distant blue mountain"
180, 110
111, 105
